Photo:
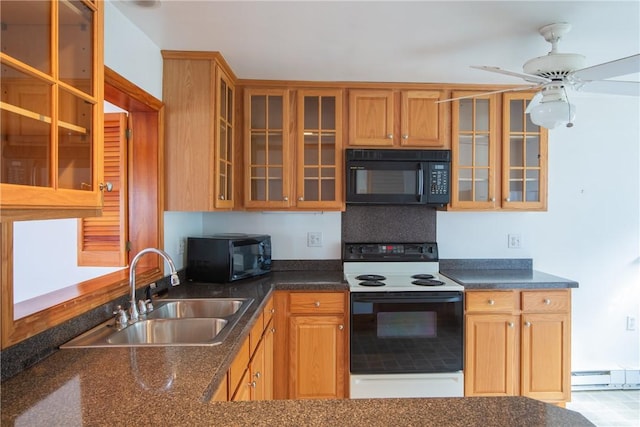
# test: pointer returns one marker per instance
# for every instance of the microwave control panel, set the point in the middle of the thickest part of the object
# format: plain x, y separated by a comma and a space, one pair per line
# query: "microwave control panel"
439, 182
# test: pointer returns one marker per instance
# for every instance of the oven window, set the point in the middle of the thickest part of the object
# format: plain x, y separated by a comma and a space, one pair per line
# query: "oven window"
406, 332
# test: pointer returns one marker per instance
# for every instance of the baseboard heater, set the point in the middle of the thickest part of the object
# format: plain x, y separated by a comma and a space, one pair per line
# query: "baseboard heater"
621, 379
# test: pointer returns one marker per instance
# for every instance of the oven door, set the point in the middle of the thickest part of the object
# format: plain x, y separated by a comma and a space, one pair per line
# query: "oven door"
406, 332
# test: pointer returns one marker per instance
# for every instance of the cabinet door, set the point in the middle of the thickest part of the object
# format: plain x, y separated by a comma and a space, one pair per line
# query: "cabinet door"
423, 122
317, 346
243, 392
491, 355
267, 378
473, 150
224, 137
546, 359
371, 117
319, 149
257, 373
524, 156
267, 152
51, 106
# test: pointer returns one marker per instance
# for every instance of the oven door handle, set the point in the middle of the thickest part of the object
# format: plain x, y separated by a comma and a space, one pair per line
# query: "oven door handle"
408, 300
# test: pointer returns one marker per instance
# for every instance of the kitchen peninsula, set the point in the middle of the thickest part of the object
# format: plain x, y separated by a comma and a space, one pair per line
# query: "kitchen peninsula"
174, 385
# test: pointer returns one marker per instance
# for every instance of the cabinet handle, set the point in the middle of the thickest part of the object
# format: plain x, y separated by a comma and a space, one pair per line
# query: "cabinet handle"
405, 136
273, 310
301, 199
510, 324
317, 304
491, 302
340, 327
106, 186
273, 330
252, 384
221, 197
493, 199
547, 301
390, 136
507, 199
285, 198
527, 324
257, 374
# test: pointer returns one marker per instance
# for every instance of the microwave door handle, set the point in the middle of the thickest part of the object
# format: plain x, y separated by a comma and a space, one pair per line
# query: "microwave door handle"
420, 182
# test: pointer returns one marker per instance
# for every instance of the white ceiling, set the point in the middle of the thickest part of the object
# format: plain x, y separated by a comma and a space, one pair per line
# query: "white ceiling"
386, 41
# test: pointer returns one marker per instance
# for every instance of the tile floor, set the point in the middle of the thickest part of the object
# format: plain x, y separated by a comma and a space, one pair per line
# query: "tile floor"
608, 408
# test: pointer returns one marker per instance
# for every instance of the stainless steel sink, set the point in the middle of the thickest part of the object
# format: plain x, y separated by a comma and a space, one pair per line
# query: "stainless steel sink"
193, 331
188, 322
218, 307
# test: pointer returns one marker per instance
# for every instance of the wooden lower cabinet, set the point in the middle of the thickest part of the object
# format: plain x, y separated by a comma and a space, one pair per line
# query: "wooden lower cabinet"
311, 354
518, 343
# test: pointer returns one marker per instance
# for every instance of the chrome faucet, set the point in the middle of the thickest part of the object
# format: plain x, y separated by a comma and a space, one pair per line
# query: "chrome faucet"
175, 281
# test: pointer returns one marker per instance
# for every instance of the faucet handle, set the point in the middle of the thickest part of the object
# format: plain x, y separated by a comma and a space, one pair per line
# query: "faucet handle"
121, 317
142, 307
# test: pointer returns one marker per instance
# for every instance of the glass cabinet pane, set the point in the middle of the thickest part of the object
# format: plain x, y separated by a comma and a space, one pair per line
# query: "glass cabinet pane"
516, 113
328, 112
75, 42
466, 115
27, 36
533, 151
311, 110
482, 115
482, 150
75, 165
258, 112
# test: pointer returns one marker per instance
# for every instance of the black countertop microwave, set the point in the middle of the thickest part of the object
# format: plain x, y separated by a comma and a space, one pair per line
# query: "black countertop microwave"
223, 258
398, 177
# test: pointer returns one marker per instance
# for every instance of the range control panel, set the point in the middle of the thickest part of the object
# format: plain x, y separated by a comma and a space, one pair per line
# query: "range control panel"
390, 252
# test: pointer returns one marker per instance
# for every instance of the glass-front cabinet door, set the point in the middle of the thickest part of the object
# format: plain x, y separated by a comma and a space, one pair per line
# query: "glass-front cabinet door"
51, 105
267, 151
224, 141
474, 140
524, 156
319, 149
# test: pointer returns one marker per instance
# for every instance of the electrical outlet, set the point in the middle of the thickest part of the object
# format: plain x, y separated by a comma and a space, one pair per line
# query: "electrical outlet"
314, 239
514, 241
181, 247
631, 323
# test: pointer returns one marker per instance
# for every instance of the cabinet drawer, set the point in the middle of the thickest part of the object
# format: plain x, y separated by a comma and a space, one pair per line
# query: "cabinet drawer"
546, 301
491, 301
316, 302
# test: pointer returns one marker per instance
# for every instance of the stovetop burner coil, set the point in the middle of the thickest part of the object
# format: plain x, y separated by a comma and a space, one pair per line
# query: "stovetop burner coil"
423, 276
375, 277
371, 283
427, 282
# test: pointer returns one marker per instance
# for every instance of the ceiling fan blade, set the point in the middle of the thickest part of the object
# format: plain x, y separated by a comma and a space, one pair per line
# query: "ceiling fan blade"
534, 101
528, 77
615, 87
475, 95
619, 67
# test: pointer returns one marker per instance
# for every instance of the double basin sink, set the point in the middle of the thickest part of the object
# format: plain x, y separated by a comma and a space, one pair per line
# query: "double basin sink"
180, 322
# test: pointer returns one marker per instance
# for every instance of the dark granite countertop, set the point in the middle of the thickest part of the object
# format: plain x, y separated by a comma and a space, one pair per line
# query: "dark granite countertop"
173, 385
508, 279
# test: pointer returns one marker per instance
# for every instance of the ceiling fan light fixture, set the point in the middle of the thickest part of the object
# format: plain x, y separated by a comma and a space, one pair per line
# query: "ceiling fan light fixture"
553, 113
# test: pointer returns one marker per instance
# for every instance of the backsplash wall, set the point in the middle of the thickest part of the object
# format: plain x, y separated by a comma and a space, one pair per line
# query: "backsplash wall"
393, 224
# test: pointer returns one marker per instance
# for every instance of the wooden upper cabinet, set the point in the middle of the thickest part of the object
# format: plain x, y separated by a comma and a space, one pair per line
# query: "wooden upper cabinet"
474, 150
524, 156
319, 164
293, 148
391, 118
371, 117
198, 92
51, 104
499, 157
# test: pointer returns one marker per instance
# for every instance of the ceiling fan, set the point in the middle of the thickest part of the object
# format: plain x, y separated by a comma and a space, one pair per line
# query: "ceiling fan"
555, 72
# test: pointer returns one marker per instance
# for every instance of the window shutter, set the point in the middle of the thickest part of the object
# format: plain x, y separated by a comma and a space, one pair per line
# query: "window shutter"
101, 240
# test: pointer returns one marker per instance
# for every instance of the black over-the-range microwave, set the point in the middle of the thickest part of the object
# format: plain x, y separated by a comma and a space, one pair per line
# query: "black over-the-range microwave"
399, 177
228, 257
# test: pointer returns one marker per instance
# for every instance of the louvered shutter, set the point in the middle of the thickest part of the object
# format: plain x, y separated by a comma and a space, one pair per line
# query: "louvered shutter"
101, 240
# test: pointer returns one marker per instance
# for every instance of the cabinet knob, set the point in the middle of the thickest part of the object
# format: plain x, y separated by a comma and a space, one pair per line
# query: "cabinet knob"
252, 384
547, 301
507, 199
285, 198
510, 324
317, 303
221, 197
527, 324
390, 136
493, 199
257, 374
301, 199
340, 327
273, 330
491, 302
273, 310
106, 186
405, 136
